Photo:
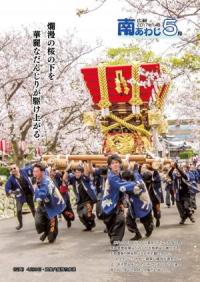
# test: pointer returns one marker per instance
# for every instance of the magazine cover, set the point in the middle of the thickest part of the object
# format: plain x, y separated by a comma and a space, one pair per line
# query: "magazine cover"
100, 141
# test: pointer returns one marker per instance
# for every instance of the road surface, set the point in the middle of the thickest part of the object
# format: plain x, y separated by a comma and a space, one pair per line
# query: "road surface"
90, 252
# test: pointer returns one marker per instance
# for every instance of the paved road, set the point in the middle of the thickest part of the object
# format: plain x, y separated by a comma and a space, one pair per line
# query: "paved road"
90, 252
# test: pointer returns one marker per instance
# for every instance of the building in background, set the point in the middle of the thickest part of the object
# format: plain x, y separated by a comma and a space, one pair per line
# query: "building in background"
183, 135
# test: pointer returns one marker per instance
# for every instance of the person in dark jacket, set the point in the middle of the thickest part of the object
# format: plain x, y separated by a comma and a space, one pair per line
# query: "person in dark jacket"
85, 193
99, 180
169, 188
19, 184
182, 193
67, 213
152, 180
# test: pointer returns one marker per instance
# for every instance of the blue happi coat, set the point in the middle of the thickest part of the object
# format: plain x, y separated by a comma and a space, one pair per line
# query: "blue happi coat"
193, 175
139, 198
13, 184
198, 174
193, 180
87, 185
48, 193
140, 201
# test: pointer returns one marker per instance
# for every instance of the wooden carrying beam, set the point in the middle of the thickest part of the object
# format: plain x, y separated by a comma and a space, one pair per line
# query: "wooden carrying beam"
61, 161
91, 157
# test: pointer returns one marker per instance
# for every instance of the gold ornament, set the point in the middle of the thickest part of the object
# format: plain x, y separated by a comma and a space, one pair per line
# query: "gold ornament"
122, 144
119, 82
106, 129
104, 102
163, 127
127, 143
122, 122
89, 119
154, 116
163, 89
135, 100
147, 143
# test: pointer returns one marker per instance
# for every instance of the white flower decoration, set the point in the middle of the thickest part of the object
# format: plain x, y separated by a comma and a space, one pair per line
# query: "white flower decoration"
107, 202
122, 188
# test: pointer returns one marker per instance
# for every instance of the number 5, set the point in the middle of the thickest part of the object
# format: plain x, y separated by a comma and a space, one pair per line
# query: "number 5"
170, 27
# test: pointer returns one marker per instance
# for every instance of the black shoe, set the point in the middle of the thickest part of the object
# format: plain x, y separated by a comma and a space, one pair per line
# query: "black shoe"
69, 224
43, 236
87, 229
51, 241
105, 230
19, 227
182, 221
93, 225
192, 219
148, 234
136, 237
157, 222
168, 206
51, 237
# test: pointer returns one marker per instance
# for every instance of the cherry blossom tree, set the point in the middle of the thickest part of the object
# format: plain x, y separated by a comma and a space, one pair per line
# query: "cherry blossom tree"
63, 99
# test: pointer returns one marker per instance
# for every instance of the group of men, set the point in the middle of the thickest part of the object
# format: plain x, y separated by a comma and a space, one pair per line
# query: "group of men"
122, 196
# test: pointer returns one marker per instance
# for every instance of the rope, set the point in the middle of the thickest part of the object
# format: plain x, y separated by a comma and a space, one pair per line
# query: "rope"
104, 102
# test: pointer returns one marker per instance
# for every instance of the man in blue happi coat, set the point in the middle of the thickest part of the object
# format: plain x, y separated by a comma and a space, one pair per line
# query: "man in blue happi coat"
19, 184
140, 205
85, 193
50, 204
193, 178
112, 199
182, 192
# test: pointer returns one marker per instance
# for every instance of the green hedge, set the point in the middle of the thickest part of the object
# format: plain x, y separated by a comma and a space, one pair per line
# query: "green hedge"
186, 154
4, 171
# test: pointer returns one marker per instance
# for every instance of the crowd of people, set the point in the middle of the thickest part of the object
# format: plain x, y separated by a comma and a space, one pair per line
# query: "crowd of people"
117, 194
